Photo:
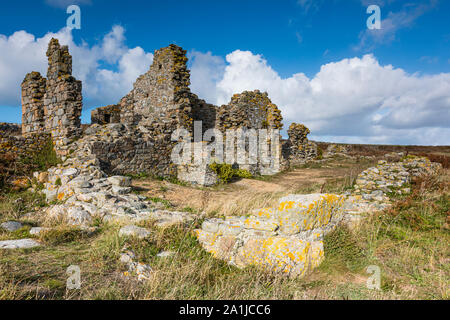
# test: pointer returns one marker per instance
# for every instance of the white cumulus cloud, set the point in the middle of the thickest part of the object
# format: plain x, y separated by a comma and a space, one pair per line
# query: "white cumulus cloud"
107, 69
352, 100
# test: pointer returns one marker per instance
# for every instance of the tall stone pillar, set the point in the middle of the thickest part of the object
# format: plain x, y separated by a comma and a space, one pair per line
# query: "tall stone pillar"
63, 98
33, 91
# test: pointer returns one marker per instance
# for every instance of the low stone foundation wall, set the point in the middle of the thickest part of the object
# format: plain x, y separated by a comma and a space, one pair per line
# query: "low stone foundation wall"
287, 239
376, 182
21, 146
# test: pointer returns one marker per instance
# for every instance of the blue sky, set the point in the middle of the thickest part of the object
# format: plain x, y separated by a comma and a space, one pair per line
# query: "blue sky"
317, 59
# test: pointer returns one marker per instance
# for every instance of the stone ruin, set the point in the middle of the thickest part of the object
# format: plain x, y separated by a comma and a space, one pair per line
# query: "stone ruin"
135, 136
53, 104
140, 126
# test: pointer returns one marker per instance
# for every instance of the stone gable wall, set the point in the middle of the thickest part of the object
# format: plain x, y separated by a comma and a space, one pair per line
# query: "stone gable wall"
53, 104
250, 109
162, 94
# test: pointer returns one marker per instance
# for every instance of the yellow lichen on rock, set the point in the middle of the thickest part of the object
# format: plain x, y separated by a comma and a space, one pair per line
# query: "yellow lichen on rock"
286, 239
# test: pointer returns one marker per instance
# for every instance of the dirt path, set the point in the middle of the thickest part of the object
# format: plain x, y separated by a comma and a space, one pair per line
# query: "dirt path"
241, 196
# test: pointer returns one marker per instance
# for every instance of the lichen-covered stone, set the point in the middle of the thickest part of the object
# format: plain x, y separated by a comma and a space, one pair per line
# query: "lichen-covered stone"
19, 244
286, 239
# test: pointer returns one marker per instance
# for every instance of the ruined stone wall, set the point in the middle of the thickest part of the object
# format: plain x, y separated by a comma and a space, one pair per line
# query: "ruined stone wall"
161, 102
139, 128
16, 154
252, 110
53, 104
204, 112
62, 99
298, 149
21, 146
105, 115
9, 129
33, 91
161, 95
122, 149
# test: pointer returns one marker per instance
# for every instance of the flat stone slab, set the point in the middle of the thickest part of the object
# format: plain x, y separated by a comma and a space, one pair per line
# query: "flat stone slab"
120, 181
37, 230
19, 244
134, 231
11, 226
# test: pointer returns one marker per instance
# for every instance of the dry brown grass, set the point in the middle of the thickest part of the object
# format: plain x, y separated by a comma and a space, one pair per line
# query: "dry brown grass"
408, 243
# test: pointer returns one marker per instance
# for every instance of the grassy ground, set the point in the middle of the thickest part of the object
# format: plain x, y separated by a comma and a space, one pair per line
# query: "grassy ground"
409, 243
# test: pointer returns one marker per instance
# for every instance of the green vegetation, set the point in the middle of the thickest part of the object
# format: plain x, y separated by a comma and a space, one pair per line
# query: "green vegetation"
45, 158
61, 234
14, 204
319, 153
226, 173
165, 202
24, 164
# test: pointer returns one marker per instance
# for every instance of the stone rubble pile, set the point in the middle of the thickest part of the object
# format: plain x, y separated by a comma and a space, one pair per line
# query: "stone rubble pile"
141, 270
82, 192
377, 182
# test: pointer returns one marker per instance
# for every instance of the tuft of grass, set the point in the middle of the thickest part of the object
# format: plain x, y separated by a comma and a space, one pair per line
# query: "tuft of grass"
138, 176
165, 202
61, 234
319, 153
343, 252
14, 204
46, 157
189, 209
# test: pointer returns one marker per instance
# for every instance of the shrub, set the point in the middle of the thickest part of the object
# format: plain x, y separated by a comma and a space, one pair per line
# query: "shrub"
226, 173
319, 153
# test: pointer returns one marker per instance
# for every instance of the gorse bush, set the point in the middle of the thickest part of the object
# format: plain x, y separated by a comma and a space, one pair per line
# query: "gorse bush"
226, 173
319, 153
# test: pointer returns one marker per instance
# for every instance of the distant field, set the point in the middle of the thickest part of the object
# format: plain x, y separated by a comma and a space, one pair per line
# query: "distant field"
434, 153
